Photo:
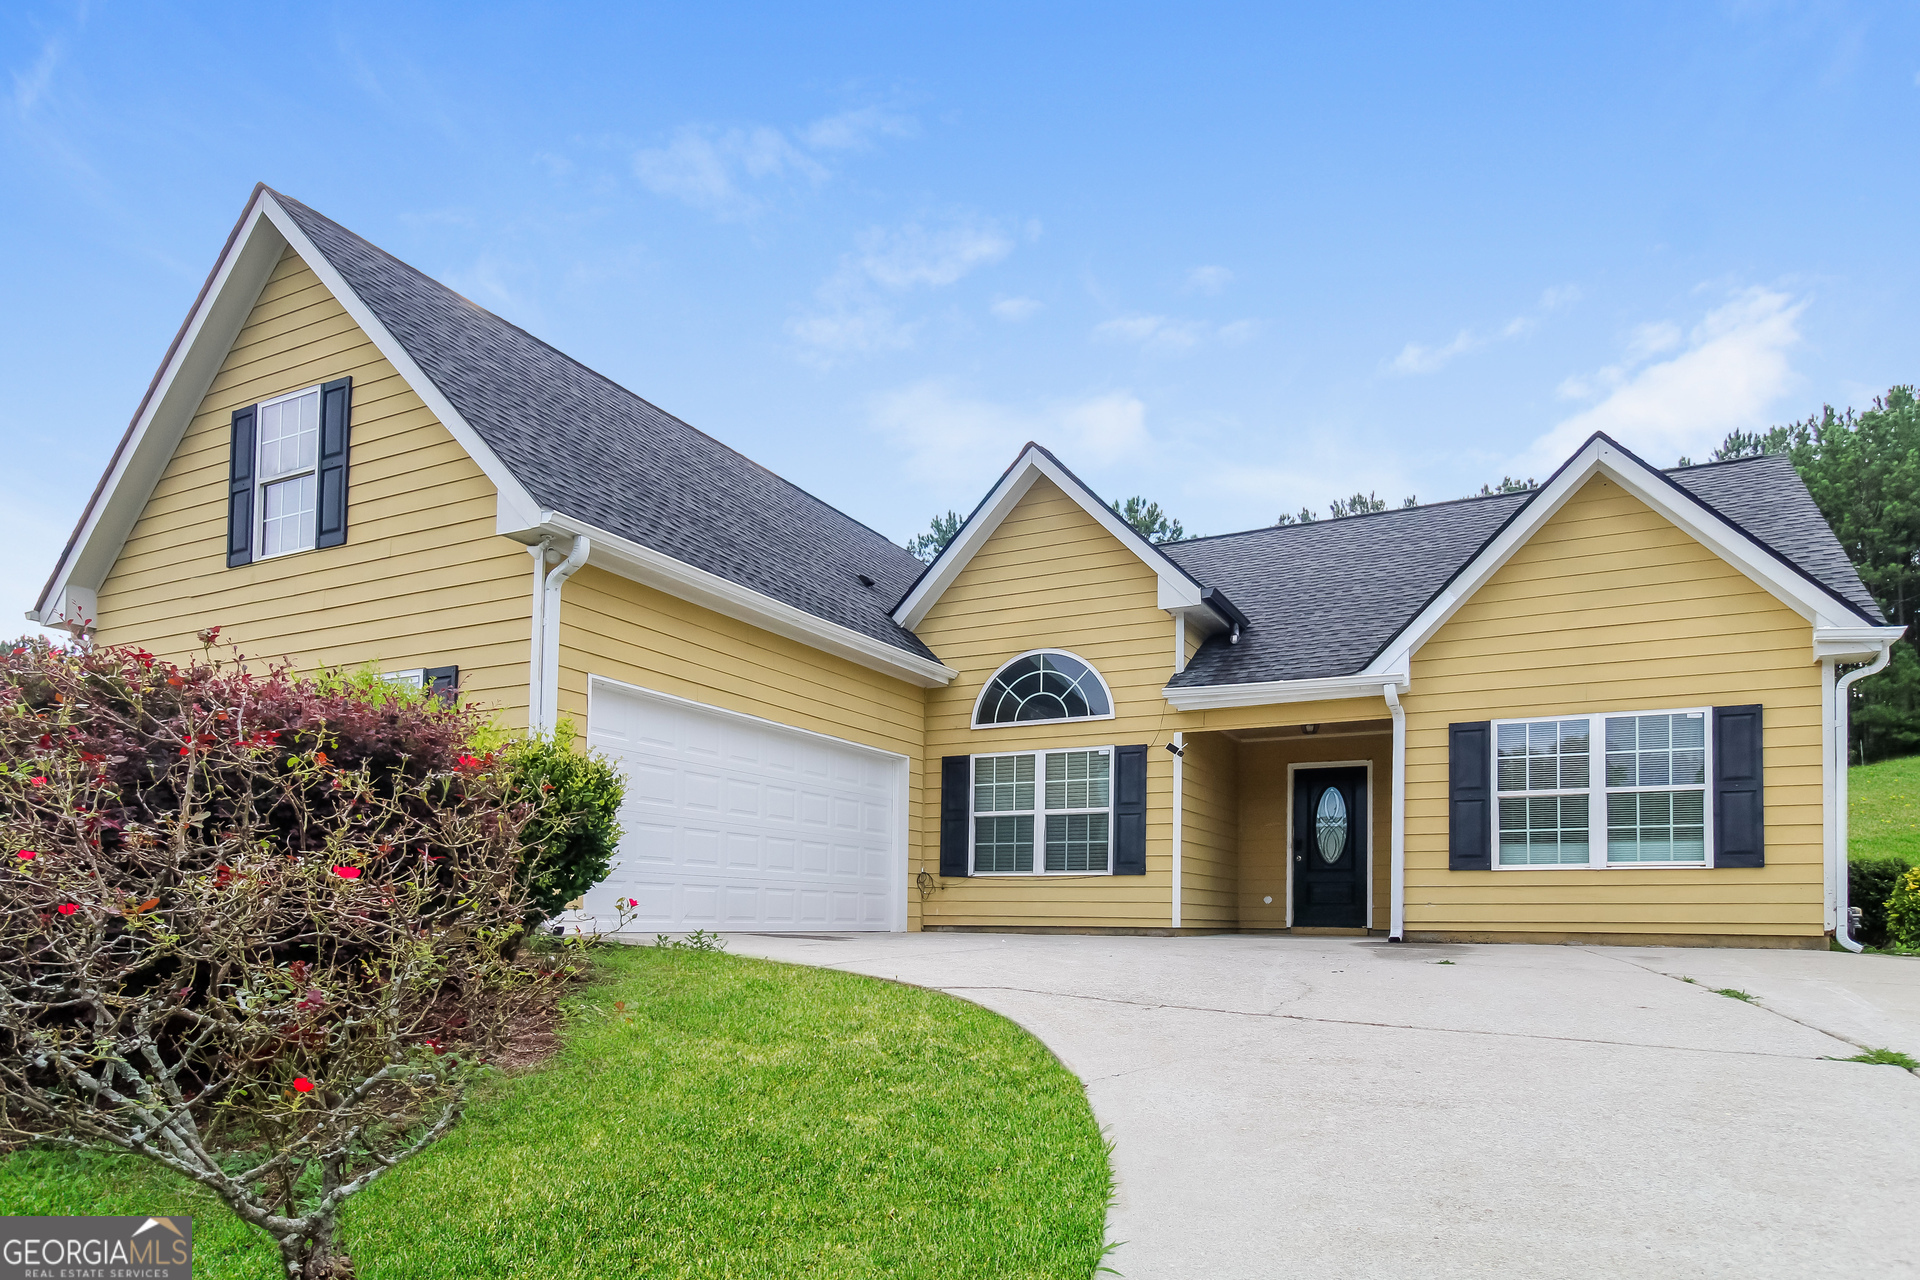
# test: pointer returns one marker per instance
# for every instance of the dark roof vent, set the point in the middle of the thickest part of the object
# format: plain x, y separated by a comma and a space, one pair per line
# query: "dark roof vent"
865, 581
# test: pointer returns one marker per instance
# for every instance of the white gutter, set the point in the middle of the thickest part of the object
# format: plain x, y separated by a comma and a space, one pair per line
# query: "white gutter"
1206, 697
1397, 877
1837, 736
537, 655
1179, 803
642, 564
546, 713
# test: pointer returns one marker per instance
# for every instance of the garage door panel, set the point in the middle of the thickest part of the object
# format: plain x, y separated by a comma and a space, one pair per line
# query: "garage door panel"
742, 824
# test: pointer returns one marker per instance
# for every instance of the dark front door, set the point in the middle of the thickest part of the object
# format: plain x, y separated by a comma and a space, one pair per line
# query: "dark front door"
1330, 848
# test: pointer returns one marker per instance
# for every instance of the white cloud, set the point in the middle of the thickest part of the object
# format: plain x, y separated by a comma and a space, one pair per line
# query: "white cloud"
1418, 357
854, 316
1016, 309
949, 438
728, 171
31, 85
1733, 371
1154, 332
1208, 279
847, 330
856, 130
914, 255
707, 168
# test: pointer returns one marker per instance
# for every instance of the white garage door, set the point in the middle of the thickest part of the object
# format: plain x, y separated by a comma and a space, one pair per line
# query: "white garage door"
732, 822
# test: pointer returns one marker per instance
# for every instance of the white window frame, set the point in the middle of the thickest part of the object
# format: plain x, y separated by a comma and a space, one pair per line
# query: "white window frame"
1598, 790
261, 480
980, 698
1039, 812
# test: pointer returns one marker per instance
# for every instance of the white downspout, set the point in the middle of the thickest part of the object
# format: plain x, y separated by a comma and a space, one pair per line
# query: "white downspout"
1837, 761
550, 631
536, 659
1397, 876
1179, 805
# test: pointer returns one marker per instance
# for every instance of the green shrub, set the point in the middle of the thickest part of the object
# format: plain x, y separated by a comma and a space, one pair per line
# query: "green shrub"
569, 843
1870, 880
1903, 911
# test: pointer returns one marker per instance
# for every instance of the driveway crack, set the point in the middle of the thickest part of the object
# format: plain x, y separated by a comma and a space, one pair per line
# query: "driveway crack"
1387, 1026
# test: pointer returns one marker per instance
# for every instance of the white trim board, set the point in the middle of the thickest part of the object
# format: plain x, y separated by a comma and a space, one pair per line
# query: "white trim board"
1177, 589
263, 234
1838, 632
628, 559
1600, 456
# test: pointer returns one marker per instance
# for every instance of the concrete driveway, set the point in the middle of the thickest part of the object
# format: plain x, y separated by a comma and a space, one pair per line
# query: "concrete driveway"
1329, 1107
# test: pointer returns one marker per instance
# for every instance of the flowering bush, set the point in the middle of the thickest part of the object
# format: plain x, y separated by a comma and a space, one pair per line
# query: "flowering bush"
257, 929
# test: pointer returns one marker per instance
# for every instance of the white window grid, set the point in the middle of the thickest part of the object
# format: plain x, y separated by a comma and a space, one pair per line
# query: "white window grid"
1597, 790
1039, 805
288, 465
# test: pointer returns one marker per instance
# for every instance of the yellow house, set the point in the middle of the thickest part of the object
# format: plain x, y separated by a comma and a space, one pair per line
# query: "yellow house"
1610, 709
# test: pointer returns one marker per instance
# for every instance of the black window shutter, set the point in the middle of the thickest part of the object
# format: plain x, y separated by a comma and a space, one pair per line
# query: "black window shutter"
336, 414
1470, 796
956, 813
1739, 807
240, 489
1130, 811
441, 682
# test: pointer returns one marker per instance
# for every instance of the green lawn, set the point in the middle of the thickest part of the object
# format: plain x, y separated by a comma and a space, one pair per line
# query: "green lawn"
711, 1116
1884, 809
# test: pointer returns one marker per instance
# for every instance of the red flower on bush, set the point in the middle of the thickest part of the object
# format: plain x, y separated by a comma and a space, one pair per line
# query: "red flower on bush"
469, 762
28, 855
68, 908
347, 873
303, 1084
633, 902
36, 782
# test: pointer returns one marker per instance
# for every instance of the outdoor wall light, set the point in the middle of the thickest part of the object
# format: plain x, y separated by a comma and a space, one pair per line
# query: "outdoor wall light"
1309, 729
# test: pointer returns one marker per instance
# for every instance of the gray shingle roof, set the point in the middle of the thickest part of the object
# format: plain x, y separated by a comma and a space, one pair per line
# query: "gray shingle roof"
588, 447
1323, 599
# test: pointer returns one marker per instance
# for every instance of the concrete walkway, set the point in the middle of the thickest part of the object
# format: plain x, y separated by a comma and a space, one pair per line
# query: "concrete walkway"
1331, 1107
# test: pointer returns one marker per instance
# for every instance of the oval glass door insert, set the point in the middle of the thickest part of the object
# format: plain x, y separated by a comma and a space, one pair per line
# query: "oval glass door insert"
1330, 825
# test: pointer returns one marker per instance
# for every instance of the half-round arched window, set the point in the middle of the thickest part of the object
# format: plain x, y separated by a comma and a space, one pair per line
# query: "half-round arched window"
1046, 684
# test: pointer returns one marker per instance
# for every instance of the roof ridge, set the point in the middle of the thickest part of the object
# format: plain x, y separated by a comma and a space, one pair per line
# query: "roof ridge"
585, 368
1358, 515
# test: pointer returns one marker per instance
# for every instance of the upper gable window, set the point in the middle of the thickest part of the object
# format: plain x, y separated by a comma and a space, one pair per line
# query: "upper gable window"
1044, 685
288, 479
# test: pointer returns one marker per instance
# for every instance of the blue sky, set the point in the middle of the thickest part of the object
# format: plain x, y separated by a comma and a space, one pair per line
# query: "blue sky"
1239, 259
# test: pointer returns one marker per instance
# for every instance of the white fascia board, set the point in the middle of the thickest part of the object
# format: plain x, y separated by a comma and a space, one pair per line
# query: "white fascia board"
1176, 590
164, 415
629, 559
1850, 644
1602, 457
1208, 697
515, 509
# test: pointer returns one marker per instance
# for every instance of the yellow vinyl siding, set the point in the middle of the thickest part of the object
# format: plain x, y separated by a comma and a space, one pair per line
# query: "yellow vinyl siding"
1051, 577
1210, 834
622, 630
422, 579
1265, 799
1610, 607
